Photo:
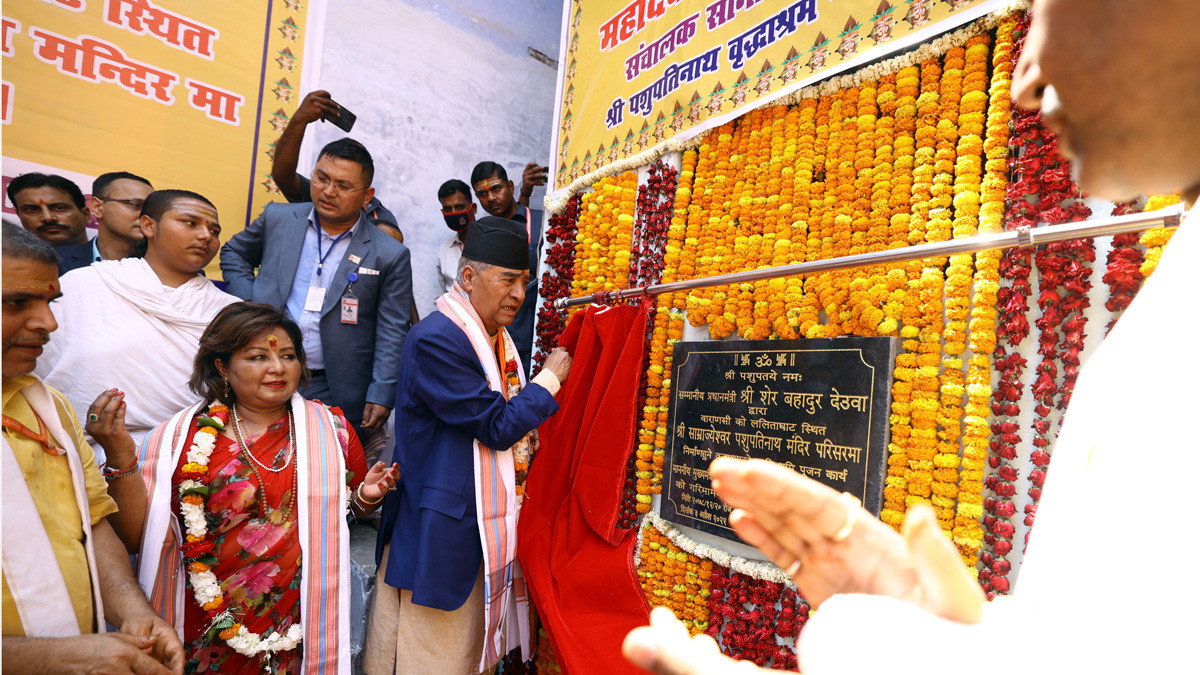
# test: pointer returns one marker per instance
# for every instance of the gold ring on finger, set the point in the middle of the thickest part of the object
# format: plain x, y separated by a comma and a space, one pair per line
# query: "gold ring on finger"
794, 569
852, 509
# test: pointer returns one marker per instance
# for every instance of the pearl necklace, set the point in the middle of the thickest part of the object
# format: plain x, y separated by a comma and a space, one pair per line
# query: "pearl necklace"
291, 448
262, 486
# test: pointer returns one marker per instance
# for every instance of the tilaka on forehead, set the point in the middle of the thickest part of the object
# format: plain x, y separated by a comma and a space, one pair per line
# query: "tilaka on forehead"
30, 287
273, 342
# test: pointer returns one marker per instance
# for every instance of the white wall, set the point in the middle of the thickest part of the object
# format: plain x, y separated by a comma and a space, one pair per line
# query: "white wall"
439, 87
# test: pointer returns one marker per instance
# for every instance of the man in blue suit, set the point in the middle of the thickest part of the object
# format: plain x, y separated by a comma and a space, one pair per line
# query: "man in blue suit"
464, 423
347, 285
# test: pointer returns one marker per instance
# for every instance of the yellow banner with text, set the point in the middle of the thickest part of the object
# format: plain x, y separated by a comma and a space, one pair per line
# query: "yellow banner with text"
190, 94
639, 73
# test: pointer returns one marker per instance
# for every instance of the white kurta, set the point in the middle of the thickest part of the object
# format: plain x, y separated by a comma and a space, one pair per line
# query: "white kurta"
1105, 586
119, 326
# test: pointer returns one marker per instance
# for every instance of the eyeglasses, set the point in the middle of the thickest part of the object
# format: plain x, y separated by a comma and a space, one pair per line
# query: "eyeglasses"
321, 182
135, 204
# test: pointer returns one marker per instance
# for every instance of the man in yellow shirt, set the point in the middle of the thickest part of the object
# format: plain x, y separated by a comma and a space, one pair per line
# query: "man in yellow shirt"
51, 488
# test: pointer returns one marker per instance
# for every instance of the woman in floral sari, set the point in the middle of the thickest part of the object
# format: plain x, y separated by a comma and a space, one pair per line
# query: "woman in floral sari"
245, 546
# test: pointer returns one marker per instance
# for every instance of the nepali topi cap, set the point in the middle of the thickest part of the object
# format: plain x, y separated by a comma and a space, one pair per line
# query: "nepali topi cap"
497, 241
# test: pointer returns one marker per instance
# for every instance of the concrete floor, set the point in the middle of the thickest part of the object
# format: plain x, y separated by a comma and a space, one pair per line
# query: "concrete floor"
362, 582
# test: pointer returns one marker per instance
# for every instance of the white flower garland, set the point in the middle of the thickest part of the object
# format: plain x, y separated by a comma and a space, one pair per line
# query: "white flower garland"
205, 584
250, 644
751, 568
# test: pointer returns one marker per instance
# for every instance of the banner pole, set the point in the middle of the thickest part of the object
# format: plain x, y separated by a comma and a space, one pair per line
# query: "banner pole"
1023, 237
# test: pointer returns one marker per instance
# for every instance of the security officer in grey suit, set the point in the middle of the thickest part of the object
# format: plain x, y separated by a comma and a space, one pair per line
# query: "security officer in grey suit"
348, 286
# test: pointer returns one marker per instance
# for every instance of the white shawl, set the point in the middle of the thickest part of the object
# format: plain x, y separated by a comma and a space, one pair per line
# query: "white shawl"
119, 326
30, 567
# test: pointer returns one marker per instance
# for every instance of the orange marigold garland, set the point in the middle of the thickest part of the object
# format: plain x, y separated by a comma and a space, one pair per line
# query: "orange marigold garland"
944, 488
800, 170
902, 305
807, 315
831, 288
673, 578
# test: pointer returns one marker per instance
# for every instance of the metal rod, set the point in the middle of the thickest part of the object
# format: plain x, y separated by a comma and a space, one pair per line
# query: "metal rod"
1023, 237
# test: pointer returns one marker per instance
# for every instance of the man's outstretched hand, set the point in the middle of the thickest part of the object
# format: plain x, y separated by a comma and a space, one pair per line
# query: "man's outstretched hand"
664, 647
828, 544
797, 521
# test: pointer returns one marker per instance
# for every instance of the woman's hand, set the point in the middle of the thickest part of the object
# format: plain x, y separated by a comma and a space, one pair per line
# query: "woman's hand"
106, 424
381, 479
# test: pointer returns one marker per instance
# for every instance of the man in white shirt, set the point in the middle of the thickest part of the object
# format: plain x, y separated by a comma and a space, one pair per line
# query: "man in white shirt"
1104, 585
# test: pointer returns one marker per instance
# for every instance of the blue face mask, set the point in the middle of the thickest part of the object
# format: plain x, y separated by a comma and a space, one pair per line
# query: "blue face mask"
458, 220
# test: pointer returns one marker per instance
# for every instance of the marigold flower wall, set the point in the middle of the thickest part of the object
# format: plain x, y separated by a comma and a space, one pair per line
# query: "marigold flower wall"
923, 148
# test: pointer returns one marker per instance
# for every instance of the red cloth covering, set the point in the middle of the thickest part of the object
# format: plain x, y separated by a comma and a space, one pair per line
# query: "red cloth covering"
578, 564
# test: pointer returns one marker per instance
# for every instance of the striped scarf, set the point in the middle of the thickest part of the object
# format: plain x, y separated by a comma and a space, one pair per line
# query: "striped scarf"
324, 537
507, 611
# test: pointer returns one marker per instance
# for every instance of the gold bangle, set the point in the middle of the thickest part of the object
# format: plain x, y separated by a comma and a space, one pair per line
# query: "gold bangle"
362, 501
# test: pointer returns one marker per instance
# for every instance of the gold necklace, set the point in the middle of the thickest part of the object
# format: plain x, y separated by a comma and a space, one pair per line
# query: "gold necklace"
291, 447
262, 489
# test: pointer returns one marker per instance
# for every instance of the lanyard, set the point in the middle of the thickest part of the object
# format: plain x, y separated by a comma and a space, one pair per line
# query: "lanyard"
42, 436
528, 222
321, 237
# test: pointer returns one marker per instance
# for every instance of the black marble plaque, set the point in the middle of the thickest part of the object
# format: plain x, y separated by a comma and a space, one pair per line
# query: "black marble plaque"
819, 406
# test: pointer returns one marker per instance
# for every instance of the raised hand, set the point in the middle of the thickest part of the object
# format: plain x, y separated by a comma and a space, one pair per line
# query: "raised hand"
317, 105
106, 424
828, 544
381, 479
664, 647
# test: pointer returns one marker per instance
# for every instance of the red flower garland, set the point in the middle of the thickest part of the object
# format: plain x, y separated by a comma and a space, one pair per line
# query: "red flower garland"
1063, 265
755, 620
556, 281
655, 208
1123, 272
1012, 327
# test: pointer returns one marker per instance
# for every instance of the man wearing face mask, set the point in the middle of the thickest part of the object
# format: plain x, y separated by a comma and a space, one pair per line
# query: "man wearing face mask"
458, 210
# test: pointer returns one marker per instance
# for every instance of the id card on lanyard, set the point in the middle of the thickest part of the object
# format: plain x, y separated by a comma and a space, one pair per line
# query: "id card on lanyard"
315, 300
349, 302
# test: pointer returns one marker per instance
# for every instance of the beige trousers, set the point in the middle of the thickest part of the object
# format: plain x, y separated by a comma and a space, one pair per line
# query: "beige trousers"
408, 639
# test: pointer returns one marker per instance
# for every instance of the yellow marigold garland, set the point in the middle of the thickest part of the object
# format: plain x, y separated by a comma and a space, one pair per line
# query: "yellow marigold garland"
673, 578
968, 530
1156, 238
965, 168
808, 315
605, 235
